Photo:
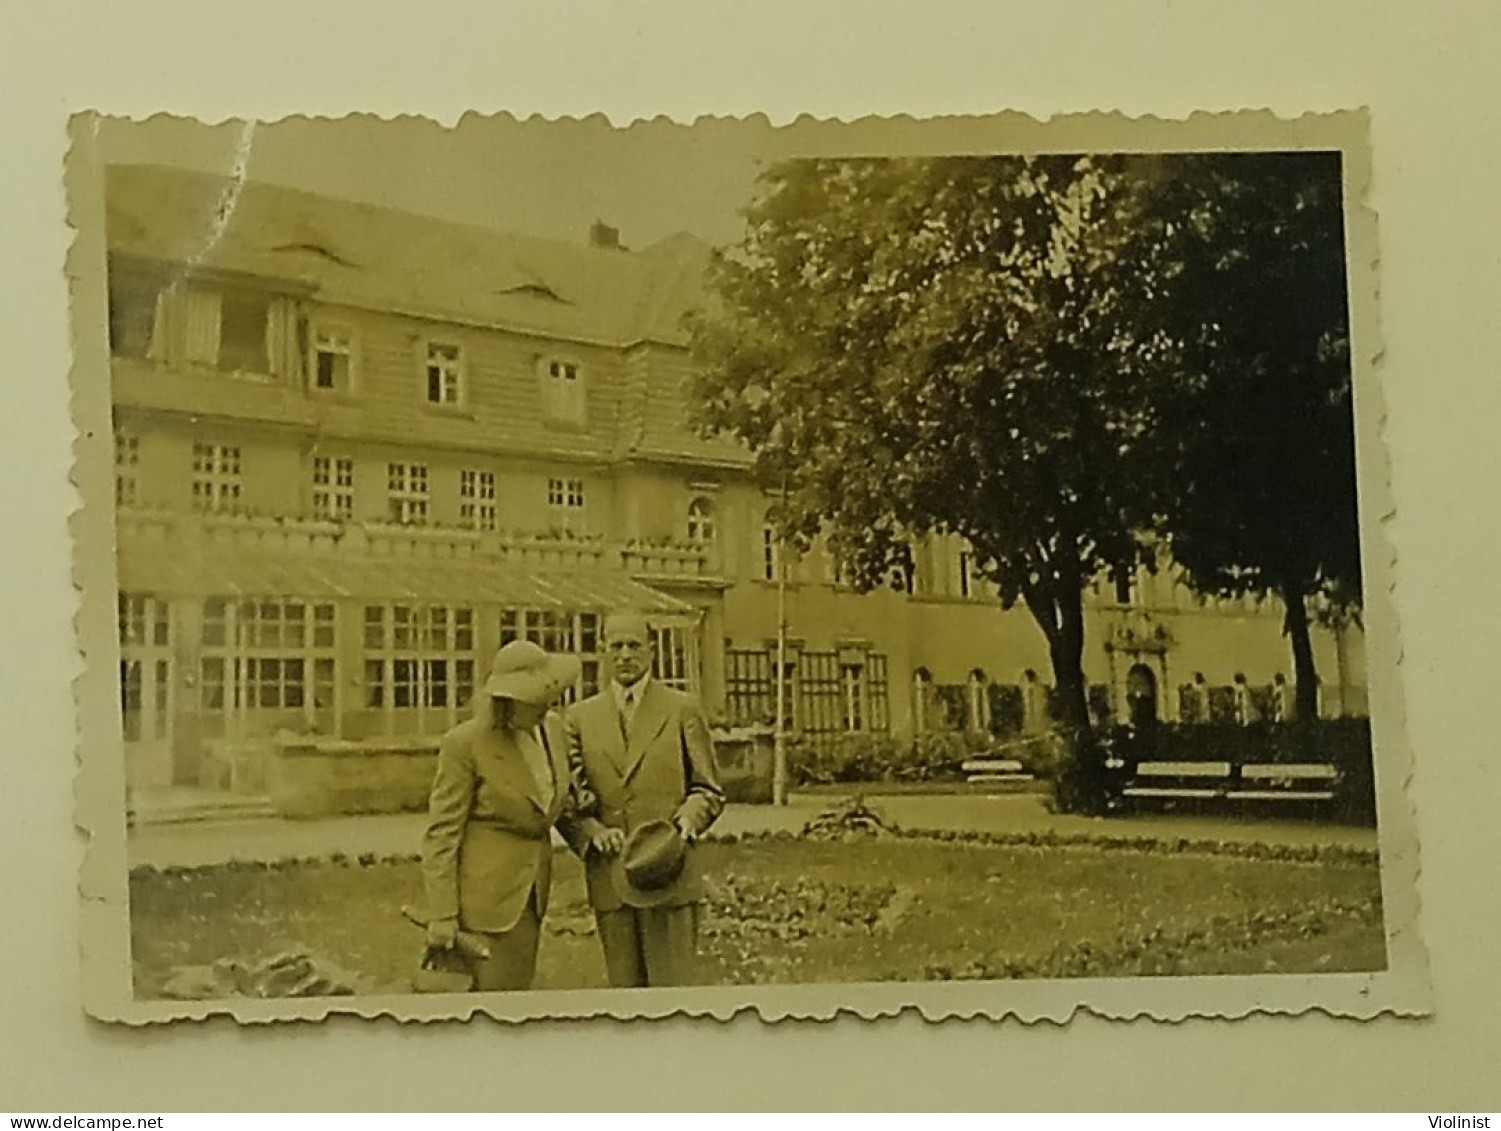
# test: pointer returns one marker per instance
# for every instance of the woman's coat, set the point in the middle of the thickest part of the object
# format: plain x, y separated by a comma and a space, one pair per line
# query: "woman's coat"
488, 843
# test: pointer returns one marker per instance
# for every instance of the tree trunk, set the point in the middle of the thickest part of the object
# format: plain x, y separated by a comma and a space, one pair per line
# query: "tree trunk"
1066, 650
1061, 618
1080, 785
1305, 674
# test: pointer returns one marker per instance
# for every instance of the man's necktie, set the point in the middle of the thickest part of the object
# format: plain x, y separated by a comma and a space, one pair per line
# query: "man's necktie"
537, 763
627, 712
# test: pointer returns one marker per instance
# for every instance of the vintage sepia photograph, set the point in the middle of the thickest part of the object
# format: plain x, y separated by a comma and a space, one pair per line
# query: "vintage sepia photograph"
796, 568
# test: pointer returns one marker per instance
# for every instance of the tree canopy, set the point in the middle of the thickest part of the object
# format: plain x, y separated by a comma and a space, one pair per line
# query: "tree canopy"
952, 346
1265, 498
1044, 356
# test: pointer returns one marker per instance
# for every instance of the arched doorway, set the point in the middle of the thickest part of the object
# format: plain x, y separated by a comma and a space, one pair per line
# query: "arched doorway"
1141, 695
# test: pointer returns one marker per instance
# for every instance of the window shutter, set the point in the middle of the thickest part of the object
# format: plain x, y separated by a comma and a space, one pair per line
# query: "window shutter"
279, 355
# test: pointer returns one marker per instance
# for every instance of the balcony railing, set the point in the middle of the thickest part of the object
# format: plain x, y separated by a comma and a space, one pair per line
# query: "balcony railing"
159, 529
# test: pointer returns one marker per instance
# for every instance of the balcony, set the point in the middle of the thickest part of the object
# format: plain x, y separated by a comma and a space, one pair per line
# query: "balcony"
667, 561
201, 391
145, 531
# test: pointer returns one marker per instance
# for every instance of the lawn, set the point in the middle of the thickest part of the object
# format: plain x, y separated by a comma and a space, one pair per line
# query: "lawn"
787, 910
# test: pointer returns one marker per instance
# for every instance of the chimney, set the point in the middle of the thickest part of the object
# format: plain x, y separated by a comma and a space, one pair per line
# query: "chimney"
603, 236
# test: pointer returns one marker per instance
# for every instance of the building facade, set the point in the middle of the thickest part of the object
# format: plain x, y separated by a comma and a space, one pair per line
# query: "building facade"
358, 450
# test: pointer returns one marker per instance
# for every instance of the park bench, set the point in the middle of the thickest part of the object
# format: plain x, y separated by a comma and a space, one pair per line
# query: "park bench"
1307, 782
993, 771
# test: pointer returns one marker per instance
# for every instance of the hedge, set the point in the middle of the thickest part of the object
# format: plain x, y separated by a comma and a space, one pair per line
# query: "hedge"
866, 758
1342, 743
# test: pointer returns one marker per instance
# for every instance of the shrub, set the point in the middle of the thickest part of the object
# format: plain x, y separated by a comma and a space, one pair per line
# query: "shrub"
1101, 704
1008, 710
856, 758
952, 703
1080, 783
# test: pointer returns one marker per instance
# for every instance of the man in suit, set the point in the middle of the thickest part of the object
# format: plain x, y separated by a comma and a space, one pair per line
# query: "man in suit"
643, 750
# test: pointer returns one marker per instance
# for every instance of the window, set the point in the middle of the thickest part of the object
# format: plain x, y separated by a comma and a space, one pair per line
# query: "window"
130, 699
269, 655
127, 459
406, 493
1243, 707
1125, 585
563, 391
827, 693
748, 683
142, 621
922, 696
216, 477
557, 631
1281, 705
771, 547
670, 664
1193, 700
445, 374
419, 656
701, 522
852, 678
964, 573
332, 365
565, 500
477, 499
791, 699
243, 321
333, 488
977, 714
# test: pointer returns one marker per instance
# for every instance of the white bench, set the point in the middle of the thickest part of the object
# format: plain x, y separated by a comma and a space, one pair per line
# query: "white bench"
1207, 781
982, 771
1294, 781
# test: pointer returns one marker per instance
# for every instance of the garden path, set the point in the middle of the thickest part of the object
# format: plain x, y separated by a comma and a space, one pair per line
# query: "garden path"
198, 843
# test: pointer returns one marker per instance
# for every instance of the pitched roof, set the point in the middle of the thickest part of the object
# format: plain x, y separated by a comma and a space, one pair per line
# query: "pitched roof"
333, 576
362, 255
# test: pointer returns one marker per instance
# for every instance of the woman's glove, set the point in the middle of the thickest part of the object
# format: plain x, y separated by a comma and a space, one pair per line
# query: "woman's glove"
442, 934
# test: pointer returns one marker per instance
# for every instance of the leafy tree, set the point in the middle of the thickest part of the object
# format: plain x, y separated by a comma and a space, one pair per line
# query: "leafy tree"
1266, 501
953, 345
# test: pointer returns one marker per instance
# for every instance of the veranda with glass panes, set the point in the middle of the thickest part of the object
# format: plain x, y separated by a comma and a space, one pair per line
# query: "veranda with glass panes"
245, 668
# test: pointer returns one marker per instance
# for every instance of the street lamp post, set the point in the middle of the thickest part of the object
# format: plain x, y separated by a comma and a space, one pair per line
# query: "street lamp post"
779, 735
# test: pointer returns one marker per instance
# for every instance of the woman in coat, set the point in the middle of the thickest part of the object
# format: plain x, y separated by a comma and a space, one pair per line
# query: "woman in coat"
502, 783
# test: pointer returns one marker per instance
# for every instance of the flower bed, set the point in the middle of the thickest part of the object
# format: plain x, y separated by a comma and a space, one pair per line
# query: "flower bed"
783, 909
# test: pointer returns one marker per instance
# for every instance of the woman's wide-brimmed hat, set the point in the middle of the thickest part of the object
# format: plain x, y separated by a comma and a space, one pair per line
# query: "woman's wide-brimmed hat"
523, 672
650, 864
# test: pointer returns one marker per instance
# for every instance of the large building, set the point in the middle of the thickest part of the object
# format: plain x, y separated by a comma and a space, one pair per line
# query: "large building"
357, 450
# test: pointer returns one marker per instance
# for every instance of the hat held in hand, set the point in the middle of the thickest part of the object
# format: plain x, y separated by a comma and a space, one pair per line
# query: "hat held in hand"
650, 863
522, 671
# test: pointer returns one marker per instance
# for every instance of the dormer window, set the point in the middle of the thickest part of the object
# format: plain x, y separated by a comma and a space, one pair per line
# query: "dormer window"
445, 374
563, 390
331, 367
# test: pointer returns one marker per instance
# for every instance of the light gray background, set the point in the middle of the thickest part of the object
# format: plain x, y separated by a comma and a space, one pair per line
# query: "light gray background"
1426, 71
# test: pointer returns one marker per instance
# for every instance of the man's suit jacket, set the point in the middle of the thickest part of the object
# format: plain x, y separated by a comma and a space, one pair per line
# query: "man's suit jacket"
489, 835
664, 771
